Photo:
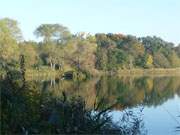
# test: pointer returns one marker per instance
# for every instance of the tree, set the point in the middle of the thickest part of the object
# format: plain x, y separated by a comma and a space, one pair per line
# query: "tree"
133, 46
28, 50
148, 60
105, 45
80, 54
101, 58
174, 59
53, 32
10, 34
9, 30
122, 58
48, 54
154, 44
160, 60
53, 35
112, 60
177, 50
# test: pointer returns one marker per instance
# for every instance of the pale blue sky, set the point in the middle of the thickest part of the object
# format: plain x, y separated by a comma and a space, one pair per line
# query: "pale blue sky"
136, 17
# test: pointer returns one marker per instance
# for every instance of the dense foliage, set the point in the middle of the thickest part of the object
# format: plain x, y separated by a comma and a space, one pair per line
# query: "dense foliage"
64, 51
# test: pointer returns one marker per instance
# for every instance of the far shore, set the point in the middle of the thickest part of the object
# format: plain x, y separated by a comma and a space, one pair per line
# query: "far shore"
41, 73
150, 72
121, 72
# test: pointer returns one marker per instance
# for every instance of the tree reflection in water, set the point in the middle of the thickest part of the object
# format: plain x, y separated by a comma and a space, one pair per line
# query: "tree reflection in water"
128, 91
28, 110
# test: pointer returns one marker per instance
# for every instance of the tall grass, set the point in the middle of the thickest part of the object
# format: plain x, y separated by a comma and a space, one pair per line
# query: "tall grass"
152, 71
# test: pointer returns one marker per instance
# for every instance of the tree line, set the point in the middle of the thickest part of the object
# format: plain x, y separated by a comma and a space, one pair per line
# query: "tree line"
59, 49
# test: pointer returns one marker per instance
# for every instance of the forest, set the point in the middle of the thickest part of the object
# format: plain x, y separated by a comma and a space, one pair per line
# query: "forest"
56, 48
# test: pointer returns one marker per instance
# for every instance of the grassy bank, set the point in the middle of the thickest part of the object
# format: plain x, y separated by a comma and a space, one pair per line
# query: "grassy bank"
150, 72
41, 73
47, 73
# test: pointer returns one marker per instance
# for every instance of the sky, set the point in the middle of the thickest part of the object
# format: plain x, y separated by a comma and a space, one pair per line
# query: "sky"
136, 17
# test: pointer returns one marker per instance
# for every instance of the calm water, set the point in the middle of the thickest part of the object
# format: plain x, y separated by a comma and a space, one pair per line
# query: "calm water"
157, 97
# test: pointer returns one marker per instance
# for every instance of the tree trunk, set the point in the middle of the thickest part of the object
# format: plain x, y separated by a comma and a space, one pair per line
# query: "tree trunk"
54, 65
51, 65
59, 67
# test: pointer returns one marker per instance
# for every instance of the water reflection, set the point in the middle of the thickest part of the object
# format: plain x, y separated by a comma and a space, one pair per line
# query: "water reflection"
128, 91
29, 108
38, 107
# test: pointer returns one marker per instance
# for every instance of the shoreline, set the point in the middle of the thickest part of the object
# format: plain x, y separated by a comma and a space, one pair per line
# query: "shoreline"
48, 73
150, 72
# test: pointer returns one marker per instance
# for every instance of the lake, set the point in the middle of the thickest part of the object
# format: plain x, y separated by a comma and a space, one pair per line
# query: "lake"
157, 98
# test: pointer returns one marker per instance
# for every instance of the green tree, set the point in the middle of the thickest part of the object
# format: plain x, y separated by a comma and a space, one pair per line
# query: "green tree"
10, 35
174, 59
48, 54
101, 58
30, 53
160, 60
9, 30
177, 50
80, 54
105, 44
53, 32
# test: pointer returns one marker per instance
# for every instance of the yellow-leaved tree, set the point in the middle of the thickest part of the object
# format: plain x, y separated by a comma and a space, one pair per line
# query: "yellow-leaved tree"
149, 61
